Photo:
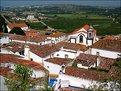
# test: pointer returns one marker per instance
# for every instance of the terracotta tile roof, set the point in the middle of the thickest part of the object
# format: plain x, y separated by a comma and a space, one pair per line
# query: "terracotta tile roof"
4, 71
70, 89
115, 73
72, 46
40, 50
37, 39
3, 34
43, 50
88, 60
106, 63
85, 74
86, 27
29, 33
17, 25
111, 45
57, 34
17, 37
11, 58
14, 46
109, 38
59, 61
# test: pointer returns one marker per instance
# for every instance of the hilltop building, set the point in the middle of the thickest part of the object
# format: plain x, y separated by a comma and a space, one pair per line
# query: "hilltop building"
85, 35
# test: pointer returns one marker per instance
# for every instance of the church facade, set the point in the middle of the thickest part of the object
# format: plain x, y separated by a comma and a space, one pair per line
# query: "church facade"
85, 35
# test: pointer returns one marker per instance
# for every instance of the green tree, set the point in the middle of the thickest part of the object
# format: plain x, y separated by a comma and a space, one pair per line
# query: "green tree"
19, 82
17, 30
3, 27
47, 87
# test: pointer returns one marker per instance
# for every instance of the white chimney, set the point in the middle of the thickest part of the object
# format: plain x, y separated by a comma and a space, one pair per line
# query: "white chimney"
98, 59
26, 51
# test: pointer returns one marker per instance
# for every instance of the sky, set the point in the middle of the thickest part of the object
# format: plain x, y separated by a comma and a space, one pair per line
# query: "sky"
107, 3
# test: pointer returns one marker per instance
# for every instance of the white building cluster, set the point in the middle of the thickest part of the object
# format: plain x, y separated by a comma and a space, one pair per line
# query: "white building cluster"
71, 59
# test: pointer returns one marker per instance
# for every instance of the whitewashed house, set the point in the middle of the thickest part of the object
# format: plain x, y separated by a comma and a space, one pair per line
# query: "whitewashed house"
23, 26
85, 35
8, 62
39, 53
81, 78
39, 39
69, 50
56, 65
107, 48
13, 48
87, 61
31, 18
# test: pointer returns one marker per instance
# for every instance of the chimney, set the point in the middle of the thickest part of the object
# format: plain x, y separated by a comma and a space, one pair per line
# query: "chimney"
27, 51
98, 59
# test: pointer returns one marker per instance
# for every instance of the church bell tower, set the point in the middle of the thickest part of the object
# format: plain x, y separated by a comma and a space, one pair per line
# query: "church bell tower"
90, 36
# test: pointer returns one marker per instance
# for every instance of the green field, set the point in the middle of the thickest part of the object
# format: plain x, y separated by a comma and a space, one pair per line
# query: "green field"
36, 25
69, 22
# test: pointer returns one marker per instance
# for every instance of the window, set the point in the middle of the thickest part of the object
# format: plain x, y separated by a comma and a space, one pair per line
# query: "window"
81, 39
97, 53
52, 55
62, 67
57, 54
31, 59
90, 35
47, 66
66, 56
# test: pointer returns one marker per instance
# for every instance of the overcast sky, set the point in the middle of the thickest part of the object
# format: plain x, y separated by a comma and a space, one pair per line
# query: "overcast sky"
112, 3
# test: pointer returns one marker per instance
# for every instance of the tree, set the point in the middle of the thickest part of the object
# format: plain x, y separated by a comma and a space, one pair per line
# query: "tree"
3, 27
19, 82
17, 30
47, 87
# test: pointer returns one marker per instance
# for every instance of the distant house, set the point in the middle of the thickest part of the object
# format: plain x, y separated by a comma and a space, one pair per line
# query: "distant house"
31, 18
85, 35
23, 26
57, 37
107, 48
31, 38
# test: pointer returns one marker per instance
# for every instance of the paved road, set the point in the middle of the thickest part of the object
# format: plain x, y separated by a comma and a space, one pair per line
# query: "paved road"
5, 19
49, 28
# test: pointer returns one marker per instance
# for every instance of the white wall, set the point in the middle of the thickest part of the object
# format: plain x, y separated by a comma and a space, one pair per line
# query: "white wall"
4, 50
21, 41
8, 29
3, 87
76, 81
38, 73
25, 28
53, 68
72, 54
105, 53
62, 54
4, 39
